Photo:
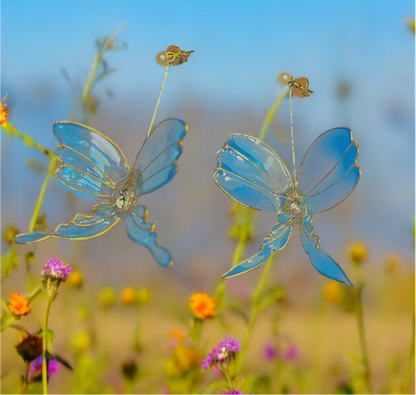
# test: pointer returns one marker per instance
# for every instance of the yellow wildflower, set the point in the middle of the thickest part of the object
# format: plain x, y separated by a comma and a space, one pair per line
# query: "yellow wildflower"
18, 304
9, 233
182, 358
332, 292
143, 296
80, 342
107, 297
357, 252
202, 305
128, 296
75, 279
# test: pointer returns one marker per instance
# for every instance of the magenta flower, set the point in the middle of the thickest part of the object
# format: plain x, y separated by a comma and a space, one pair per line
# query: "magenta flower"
231, 392
291, 353
223, 352
35, 368
55, 269
269, 352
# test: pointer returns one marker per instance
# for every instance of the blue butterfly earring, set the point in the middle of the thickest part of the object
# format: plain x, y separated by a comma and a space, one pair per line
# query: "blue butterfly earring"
90, 164
253, 175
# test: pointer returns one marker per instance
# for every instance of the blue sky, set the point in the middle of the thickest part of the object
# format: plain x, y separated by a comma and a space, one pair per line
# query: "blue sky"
227, 86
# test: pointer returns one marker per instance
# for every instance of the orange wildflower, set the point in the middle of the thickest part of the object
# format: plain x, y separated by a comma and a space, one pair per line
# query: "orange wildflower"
3, 111
18, 304
202, 305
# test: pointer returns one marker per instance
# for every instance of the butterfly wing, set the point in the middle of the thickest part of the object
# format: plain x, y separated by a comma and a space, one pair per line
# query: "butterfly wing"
321, 261
90, 163
275, 241
142, 232
329, 170
252, 174
81, 227
156, 163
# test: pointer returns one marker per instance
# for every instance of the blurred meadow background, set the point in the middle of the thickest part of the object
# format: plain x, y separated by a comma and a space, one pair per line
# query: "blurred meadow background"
123, 323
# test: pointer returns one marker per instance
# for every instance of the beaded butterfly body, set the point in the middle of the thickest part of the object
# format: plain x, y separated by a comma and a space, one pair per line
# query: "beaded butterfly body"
90, 164
252, 174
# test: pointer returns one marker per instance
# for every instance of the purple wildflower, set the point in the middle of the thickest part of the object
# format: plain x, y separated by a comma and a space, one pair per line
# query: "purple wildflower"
224, 351
35, 368
231, 392
55, 269
269, 352
290, 354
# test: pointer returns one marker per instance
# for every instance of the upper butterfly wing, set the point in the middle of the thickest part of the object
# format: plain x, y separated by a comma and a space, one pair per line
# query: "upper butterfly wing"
329, 170
89, 162
251, 173
156, 163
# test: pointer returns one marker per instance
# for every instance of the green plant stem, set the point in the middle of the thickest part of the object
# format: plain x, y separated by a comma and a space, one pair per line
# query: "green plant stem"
44, 346
27, 140
24, 379
361, 334
270, 114
255, 298
38, 204
88, 84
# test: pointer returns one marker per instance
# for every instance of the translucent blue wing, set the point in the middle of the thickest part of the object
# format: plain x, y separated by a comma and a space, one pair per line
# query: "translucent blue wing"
142, 232
81, 227
275, 241
321, 261
89, 162
251, 173
329, 171
156, 163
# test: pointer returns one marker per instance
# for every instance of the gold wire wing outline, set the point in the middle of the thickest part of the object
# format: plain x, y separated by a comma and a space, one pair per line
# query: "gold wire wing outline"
354, 165
80, 215
285, 226
89, 160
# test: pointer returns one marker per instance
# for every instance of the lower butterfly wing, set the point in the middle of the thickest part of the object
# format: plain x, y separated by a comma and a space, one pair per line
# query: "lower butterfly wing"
81, 227
329, 171
89, 163
276, 240
142, 232
156, 163
252, 174
321, 261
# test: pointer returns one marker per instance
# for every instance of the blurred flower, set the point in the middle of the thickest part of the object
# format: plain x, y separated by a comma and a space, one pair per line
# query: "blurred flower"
9, 233
30, 347
392, 263
55, 269
357, 252
183, 355
3, 111
80, 342
129, 369
202, 305
222, 353
128, 296
236, 392
75, 279
269, 352
410, 22
291, 353
333, 292
18, 304
35, 368
106, 297
143, 296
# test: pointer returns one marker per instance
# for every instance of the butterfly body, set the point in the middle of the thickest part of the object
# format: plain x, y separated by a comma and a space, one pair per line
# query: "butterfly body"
90, 164
252, 174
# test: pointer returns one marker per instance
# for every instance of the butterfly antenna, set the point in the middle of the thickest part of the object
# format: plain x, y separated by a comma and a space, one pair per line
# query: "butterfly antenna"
291, 135
158, 100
